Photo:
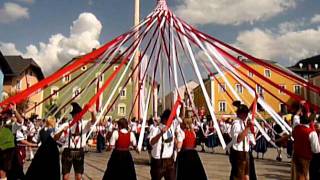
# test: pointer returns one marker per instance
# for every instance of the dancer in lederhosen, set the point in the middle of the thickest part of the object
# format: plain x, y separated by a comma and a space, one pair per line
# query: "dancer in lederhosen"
239, 150
306, 143
188, 161
120, 165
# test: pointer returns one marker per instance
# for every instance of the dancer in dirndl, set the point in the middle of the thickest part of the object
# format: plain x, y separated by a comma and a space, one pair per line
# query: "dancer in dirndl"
262, 143
120, 165
188, 160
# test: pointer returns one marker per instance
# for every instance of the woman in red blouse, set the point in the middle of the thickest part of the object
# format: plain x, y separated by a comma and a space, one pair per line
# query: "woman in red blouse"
188, 160
120, 165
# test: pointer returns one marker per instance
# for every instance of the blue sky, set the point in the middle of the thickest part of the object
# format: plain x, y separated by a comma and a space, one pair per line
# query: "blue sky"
265, 28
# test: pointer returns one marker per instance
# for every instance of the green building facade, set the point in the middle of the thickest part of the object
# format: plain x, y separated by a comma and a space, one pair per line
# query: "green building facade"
122, 106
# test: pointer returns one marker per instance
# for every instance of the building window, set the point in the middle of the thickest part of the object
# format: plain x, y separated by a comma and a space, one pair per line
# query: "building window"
18, 85
282, 87
121, 109
250, 74
222, 88
84, 68
259, 89
283, 108
239, 88
54, 92
66, 78
123, 93
222, 106
76, 92
267, 73
297, 89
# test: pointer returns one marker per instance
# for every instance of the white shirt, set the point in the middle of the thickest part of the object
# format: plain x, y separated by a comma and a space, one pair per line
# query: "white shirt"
75, 140
168, 146
109, 127
115, 136
236, 129
296, 121
314, 141
134, 127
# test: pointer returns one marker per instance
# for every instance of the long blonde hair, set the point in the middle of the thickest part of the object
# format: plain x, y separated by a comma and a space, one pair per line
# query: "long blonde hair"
51, 122
188, 122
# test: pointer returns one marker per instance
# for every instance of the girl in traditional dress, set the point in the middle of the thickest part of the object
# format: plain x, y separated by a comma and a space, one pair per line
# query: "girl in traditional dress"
212, 137
262, 143
120, 165
188, 160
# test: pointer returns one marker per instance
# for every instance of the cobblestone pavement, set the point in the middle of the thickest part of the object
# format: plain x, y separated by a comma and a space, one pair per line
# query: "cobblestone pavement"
216, 165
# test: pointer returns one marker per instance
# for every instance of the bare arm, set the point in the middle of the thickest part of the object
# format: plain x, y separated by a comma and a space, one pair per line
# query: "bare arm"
155, 139
245, 132
25, 142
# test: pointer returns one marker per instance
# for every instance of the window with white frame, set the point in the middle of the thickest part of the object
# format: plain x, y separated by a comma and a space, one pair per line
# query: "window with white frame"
250, 74
54, 91
297, 89
283, 108
222, 88
267, 73
66, 78
18, 85
122, 109
76, 92
282, 87
123, 93
259, 89
222, 106
239, 88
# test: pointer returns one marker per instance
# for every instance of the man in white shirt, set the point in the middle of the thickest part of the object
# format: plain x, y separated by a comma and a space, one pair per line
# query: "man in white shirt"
239, 145
163, 143
306, 143
74, 139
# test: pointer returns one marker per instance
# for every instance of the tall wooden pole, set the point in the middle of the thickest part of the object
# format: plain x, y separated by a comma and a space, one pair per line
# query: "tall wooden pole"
135, 77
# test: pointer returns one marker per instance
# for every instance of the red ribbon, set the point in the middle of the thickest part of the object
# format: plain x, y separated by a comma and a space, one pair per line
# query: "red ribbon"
174, 112
56, 76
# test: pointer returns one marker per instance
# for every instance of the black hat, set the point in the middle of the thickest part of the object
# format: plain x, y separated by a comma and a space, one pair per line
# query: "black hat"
76, 108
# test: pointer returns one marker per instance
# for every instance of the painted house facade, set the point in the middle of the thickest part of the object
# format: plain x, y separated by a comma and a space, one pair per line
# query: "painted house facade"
222, 102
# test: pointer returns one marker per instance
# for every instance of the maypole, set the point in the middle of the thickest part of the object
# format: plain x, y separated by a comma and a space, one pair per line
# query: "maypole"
135, 77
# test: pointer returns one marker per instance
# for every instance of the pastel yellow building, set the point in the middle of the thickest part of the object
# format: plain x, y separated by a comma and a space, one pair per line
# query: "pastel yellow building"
222, 102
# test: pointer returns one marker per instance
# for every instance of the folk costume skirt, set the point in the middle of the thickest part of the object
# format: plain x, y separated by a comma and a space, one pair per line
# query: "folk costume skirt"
46, 163
120, 166
189, 166
262, 145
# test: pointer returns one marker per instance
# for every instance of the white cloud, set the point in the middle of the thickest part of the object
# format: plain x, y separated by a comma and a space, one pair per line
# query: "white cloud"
11, 12
9, 49
288, 47
230, 11
291, 26
26, 1
84, 36
315, 19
